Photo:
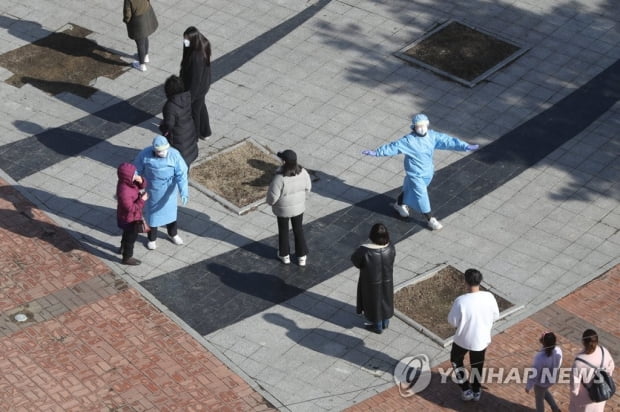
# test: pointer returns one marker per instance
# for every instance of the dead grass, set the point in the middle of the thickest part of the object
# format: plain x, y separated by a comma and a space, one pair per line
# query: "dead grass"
428, 302
241, 175
62, 62
462, 51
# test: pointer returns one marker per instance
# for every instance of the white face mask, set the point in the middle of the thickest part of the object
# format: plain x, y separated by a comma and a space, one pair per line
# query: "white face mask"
421, 129
186, 42
162, 153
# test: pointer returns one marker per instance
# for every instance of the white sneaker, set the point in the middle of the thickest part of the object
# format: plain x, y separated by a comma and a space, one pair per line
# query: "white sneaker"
151, 245
402, 210
302, 260
434, 224
285, 259
146, 59
136, 65
176, 239
468, 395
477, 396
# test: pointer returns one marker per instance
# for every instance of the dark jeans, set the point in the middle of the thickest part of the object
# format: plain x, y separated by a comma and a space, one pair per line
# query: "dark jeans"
476, 361
301, 249
127, 242
170, 227
143, 48
542, 395
383, 324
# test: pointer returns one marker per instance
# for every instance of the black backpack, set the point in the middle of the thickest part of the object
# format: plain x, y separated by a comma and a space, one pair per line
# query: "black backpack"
602, 386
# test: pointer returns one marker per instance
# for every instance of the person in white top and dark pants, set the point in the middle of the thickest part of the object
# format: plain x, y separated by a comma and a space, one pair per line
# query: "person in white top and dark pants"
472, 314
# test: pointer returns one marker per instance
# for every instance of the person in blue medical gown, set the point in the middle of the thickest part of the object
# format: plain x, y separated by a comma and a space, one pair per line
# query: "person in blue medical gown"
418, 148
166, 171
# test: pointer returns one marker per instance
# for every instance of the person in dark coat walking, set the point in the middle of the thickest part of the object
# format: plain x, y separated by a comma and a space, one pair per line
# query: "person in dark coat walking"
196, 75
375, 287
178, 126
130, 197
141, 22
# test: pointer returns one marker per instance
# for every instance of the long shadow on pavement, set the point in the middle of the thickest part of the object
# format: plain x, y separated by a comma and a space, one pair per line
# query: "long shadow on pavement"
55, 145
333, 344
332, 238
447, 395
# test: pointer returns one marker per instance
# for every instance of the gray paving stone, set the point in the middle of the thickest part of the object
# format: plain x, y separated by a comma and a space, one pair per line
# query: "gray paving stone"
371, 102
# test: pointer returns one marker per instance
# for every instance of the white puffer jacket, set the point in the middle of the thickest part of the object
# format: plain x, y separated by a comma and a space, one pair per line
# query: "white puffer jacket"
287, 194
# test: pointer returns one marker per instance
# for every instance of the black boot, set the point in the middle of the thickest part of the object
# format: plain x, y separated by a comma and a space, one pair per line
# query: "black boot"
128, 258
131, 261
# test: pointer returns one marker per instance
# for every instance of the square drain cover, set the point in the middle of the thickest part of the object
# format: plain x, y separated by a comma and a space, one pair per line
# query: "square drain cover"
460, 52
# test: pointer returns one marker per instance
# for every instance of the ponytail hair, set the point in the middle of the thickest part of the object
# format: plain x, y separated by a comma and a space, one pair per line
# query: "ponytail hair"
548, 341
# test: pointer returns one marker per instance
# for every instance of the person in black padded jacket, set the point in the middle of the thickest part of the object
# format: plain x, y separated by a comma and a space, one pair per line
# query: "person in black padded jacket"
178, 126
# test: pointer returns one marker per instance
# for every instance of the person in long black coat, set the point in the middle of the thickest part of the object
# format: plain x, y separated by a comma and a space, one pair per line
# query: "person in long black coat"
196, 75
178, 125
375, 287
141, 22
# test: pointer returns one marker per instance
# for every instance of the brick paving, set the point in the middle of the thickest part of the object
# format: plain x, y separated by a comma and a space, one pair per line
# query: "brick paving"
319, 77
91, 342
515, 347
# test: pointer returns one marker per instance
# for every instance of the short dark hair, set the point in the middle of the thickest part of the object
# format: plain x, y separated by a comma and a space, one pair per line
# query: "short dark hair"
173, 85
590, 340
379, 234
548, 341
473, 277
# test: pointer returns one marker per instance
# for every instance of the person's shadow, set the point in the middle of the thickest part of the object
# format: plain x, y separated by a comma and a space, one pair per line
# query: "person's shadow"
26, 220
444, 393
334, 344
31, 31
268, 171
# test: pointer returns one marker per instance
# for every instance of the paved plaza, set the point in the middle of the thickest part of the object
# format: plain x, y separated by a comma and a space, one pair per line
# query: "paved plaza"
219, 323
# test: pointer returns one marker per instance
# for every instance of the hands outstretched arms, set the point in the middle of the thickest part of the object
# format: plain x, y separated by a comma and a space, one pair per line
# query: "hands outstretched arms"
369, 152
472, 147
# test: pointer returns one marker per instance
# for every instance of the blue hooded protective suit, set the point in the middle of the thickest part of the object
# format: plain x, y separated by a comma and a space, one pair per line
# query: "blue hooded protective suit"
419, 168
165, 175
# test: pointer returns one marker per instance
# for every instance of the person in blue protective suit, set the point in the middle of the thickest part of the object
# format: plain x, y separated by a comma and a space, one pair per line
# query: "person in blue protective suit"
418, 147
166, 171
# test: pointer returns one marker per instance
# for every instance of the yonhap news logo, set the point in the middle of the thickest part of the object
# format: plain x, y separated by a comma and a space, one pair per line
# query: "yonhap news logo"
412, 375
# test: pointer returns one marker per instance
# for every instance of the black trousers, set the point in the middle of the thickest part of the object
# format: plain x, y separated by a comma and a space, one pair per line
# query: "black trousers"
301, 249
476, 361
143, 48
171, 228
201, 116
127, 242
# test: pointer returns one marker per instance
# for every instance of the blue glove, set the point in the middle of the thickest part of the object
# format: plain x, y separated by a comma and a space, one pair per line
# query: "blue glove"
369, 152
472, 147
184, 200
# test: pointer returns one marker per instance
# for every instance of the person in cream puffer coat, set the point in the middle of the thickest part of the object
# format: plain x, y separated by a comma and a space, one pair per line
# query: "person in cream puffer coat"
287, 198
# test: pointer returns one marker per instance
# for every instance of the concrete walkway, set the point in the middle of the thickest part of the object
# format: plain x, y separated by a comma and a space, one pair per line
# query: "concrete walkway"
91, 341
537, 210
515, 348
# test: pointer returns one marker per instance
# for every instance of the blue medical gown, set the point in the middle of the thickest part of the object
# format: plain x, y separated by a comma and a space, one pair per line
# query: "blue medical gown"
166, 176
419, 168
